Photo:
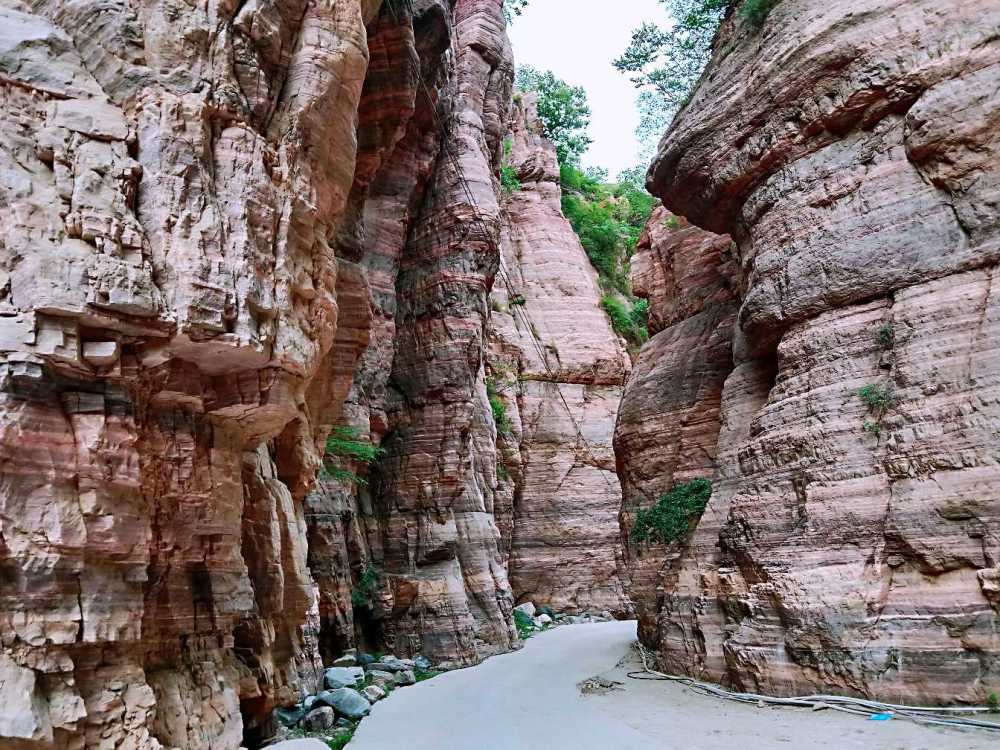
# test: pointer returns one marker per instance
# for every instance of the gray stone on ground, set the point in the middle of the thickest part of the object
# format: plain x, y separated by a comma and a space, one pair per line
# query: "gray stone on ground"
347, 660
320, 719
391, 664
373, 693
338, 677
405, 677
346, 701
528, 608
289, 716
381, 677
421, 662
365, 659
543, 619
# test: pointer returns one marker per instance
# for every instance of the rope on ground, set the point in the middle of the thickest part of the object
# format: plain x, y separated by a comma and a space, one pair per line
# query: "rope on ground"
941, 716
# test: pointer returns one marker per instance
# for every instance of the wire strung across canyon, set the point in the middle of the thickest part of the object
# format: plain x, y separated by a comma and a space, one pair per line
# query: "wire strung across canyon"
939, 716
477, 218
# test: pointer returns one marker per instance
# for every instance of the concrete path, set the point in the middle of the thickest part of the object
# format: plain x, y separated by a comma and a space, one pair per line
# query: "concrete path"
529, 699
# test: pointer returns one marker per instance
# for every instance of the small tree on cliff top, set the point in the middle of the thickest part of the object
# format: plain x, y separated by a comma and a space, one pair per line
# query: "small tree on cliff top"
563, 110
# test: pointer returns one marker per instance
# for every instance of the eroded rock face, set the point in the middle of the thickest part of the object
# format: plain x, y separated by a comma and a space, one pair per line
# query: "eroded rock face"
556, 461
169, 296
851, 150
669, 420
425, 227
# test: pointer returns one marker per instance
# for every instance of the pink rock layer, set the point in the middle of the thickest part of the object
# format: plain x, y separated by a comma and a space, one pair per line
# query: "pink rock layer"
205, 218
851, 150
558, 367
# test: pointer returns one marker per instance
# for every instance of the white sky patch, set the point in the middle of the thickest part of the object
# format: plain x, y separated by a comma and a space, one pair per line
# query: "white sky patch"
577, 40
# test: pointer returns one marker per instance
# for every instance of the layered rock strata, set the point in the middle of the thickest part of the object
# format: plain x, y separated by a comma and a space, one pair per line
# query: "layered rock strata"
425, 229
850, 544
558, 368
203, 212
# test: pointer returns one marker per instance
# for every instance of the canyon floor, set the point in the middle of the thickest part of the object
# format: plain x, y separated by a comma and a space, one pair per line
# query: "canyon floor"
531, 699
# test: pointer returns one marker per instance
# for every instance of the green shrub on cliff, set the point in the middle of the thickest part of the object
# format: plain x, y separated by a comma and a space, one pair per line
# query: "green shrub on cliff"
345, 442
367, 585
627, 320
498, 407
671, 518
562, 110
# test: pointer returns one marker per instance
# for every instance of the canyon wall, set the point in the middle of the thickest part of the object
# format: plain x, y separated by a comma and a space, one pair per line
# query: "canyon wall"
558, 368
851, 544
206, 215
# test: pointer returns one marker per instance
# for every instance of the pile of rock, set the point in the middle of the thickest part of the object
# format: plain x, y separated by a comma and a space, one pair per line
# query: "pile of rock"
352, 685
532, 619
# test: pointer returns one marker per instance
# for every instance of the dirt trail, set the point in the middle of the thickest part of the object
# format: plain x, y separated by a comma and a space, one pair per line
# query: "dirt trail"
531, 699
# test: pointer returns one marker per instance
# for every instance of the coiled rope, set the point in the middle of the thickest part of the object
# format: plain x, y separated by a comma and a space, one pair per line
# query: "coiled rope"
941, 716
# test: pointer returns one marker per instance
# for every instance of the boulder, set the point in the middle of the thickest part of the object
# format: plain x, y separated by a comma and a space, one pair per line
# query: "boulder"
527, 608
405, 677
381, 677
346, 702
421, 662
320, 719
338, 677
289, 716
542, 620
373, 693
347, 660
392, 664
365, 659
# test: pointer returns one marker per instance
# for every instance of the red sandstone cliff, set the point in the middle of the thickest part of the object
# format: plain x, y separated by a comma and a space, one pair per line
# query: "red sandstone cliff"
206, 215
851, 150
557, 462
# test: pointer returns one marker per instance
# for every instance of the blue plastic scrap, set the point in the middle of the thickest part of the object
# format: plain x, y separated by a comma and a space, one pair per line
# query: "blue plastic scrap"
880, 717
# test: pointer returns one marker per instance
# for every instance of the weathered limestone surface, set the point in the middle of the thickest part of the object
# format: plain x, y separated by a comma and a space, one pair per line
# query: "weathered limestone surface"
851, 149
562, 532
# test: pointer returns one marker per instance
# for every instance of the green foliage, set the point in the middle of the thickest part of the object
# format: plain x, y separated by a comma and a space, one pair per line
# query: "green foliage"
884, 336
367, 585
502, 474
339, 742
562, 109
509, 181
512, 8
608, 218
993, 703
872, 428
640, 315
755, 12
498, 408
665, 64
524, 624
628, 321
671, 517
876, 397
344, 443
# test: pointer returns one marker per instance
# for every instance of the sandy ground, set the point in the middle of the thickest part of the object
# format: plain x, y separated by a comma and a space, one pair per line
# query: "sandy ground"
530, 699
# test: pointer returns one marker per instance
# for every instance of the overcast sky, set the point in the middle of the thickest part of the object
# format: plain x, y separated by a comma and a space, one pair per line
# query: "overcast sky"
577, 40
